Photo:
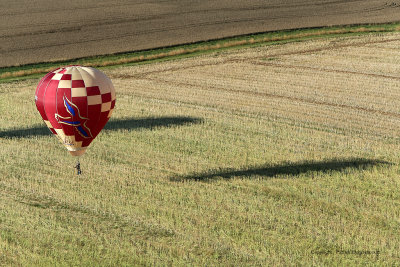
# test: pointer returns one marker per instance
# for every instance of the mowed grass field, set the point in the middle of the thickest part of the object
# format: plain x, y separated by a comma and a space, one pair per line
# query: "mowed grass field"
266, 155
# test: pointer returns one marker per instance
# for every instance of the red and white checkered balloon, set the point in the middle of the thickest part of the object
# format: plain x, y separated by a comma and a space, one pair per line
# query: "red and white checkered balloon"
75, 102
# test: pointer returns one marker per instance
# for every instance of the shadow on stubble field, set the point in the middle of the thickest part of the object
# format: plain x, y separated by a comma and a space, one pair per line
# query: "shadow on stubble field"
285, 169
112, 125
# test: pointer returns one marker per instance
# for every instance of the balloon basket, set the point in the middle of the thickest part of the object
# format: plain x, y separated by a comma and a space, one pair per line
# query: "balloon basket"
78, 167
77, 154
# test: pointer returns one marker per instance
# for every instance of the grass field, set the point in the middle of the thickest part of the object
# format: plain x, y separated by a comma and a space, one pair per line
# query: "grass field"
266, 155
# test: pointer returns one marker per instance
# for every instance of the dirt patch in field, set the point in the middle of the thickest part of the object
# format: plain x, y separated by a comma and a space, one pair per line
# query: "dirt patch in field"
41, 31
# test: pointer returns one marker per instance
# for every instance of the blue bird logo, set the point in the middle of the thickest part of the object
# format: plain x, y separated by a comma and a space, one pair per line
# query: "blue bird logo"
76, 120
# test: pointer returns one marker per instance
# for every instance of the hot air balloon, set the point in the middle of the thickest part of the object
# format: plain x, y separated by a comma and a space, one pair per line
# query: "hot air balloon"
75, 102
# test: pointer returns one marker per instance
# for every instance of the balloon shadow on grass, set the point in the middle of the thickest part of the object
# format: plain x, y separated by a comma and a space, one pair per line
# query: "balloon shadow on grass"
113, 125
285, 169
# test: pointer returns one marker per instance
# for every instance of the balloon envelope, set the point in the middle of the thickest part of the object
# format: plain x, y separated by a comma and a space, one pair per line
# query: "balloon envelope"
75, 102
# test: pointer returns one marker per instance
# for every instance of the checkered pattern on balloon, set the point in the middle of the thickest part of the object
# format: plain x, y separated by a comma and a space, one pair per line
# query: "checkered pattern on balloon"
75, 102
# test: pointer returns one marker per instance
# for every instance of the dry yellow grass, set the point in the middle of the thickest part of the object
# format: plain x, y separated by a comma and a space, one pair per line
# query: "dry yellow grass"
353, 87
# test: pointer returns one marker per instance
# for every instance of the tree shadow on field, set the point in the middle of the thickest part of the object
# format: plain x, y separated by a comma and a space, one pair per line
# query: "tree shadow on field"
286, 169
113, 125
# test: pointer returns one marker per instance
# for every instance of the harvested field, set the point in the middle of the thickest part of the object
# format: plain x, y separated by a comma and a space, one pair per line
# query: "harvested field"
346, 80
264, 156
40, 31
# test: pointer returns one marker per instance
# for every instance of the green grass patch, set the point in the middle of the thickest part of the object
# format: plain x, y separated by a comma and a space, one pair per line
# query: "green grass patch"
175, 52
